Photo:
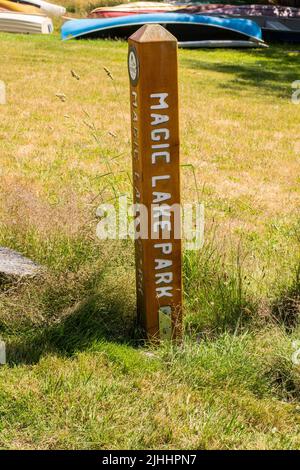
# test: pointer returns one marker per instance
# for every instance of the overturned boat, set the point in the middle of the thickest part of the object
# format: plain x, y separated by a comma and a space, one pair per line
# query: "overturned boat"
33, 6
24, 23
278, 23
47, 8
195, 29
132, 8
241, 10
18, 7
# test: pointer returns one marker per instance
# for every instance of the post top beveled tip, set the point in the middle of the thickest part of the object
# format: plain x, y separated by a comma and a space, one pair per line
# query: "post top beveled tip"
152, 33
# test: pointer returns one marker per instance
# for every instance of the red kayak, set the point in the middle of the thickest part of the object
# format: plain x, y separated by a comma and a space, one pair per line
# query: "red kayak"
275, 11
136, 8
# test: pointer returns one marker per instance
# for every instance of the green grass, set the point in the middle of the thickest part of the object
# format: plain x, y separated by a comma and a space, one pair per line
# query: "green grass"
230, 393
78, 373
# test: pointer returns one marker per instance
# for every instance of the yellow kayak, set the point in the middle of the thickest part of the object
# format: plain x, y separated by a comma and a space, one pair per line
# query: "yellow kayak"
19, 7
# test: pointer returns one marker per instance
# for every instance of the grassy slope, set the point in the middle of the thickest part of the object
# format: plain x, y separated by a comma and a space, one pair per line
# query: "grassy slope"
76, 377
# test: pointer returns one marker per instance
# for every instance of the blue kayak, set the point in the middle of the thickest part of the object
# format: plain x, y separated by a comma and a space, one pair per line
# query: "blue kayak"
186, 28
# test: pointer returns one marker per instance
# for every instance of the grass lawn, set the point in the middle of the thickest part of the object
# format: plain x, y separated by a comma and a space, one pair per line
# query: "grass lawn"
77, 375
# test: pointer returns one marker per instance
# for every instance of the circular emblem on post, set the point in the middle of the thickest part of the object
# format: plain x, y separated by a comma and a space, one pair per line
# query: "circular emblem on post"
133, 66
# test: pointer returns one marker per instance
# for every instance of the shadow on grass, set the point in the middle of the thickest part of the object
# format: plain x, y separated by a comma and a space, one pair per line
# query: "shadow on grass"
68, 310
91, 321
215, 301
97, 304
78, 313
286, 309
272, 72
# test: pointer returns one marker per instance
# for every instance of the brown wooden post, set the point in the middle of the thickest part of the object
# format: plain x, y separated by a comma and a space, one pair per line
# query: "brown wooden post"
152, 65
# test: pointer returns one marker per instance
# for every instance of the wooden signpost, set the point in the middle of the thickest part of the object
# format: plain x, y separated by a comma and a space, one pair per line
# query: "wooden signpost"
152, 66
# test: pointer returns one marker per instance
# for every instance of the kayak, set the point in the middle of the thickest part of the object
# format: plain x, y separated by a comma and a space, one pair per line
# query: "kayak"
218, 9
18, 7
24, 23
45, 7
133, 8
220, 44
278, 23
183, 26
242, 10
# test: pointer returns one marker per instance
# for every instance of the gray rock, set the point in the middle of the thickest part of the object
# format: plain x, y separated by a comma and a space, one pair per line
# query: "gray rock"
14, 264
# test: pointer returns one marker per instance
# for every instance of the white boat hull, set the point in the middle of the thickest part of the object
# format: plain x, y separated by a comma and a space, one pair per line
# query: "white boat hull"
210, 44
25, 24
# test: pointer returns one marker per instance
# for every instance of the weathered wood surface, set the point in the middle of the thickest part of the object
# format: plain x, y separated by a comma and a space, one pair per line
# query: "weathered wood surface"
14, 264
152, 64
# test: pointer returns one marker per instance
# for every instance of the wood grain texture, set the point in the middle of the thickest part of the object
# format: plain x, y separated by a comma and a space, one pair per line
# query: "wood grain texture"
152, 63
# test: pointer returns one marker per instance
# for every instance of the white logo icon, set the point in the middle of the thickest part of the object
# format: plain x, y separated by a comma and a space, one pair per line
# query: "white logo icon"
133, 66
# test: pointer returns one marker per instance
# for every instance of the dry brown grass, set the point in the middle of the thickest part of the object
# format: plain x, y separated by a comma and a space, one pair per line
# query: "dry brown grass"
239, 130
